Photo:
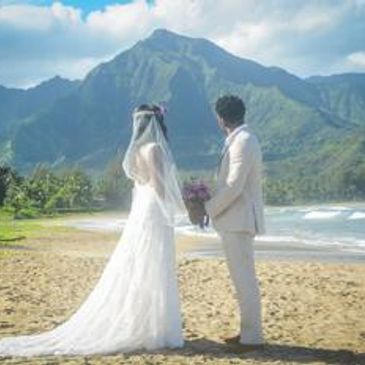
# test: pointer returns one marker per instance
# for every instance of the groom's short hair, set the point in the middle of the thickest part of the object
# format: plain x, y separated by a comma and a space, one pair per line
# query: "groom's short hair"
231, 109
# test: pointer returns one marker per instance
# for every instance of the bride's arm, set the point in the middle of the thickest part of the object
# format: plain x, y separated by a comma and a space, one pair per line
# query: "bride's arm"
155, 163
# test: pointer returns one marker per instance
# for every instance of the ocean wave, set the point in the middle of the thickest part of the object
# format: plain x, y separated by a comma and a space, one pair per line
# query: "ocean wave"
357, 215
308, 208
307, 241
268, 238
322, 214
279, 235
339, 207
345, 243
349, 241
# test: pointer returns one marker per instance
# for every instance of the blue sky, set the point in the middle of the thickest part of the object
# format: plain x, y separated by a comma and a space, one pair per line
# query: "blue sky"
39, 38
90, 5
87, 5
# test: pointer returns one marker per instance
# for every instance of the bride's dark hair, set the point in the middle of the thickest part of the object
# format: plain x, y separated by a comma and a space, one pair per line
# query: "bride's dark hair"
159, 117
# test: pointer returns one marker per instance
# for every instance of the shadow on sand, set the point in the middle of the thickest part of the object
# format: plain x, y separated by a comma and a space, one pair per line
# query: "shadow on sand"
275, 352
215, 350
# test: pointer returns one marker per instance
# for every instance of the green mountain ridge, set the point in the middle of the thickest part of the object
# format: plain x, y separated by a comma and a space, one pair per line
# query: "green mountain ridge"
312, 128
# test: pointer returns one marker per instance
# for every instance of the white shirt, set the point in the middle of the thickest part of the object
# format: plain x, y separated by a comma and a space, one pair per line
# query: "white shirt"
228, 140
232, 135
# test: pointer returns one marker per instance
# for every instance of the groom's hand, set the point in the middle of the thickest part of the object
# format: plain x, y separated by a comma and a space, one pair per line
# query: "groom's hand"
205, 218
202, 214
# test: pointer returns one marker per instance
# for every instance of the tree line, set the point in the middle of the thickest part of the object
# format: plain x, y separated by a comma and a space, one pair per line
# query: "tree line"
46, 191
345, 186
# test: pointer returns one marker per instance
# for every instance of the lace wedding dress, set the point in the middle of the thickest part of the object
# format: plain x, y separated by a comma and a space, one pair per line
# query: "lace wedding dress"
135, 302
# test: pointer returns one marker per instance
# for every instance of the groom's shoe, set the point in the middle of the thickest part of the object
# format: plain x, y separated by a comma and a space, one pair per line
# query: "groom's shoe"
232, 340
242, 347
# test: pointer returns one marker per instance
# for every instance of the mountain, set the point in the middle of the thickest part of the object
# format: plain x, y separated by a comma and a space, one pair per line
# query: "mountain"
307, 127
16, 105
343, 96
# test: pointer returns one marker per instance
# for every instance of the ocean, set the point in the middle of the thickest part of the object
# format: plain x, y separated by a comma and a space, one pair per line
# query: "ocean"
318, 231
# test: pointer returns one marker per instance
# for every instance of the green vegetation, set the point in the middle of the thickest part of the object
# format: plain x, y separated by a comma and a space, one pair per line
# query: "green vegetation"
325, 188
113, 189
18, 233
13, 232
330, 186
46, 192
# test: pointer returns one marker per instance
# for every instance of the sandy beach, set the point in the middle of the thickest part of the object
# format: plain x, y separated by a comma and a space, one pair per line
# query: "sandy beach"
313, 312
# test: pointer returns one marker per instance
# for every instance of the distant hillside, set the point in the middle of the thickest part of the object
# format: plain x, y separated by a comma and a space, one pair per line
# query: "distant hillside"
312, 128
17, 105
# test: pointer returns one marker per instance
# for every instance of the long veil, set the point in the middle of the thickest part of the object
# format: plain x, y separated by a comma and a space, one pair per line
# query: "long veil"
135, 302
148, 140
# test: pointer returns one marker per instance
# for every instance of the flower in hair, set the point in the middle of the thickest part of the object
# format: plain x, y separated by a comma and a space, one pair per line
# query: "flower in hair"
162, 109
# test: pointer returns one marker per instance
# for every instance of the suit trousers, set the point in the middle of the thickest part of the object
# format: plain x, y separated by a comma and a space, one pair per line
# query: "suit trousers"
238, 248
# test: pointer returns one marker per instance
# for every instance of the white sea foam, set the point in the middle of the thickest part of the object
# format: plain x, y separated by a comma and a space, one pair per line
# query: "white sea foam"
304, 231
322, 214
279, 240
268, 238
357, 215
300, 241
343, 243
339, 207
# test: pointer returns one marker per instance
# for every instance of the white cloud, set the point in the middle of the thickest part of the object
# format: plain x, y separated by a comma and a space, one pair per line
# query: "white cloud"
30, 17
309, 37
121, 21
357, 59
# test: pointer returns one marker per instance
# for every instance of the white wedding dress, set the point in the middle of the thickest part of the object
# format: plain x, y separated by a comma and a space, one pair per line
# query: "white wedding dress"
135, 303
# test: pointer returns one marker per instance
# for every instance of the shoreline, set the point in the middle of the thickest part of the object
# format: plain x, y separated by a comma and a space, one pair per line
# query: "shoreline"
212, 248
313, 204
104, 229
203, 244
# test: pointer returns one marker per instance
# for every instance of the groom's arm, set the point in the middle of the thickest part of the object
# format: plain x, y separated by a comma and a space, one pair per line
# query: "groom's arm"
240, 161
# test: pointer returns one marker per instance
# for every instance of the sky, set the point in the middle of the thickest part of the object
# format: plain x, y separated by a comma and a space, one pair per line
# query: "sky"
40, 39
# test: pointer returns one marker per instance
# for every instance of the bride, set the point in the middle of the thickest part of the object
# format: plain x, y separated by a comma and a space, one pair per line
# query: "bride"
135, 303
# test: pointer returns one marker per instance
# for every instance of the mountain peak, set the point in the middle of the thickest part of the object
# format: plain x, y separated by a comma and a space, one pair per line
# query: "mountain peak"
162, 33
163, 38
56, 82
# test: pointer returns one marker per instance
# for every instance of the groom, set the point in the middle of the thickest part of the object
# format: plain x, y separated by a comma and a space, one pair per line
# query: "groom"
236, 210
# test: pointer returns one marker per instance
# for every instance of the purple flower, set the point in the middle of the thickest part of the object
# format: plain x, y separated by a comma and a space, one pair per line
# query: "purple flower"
162, 109
196, 191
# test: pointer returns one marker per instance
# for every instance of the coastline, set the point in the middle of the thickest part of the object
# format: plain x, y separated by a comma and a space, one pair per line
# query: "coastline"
195, 243
212, 248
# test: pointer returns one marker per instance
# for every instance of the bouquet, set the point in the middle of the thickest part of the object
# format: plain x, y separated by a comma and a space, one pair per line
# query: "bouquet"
195, 193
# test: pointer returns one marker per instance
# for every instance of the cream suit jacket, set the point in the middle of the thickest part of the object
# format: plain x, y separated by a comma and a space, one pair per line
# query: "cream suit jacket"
237, 202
